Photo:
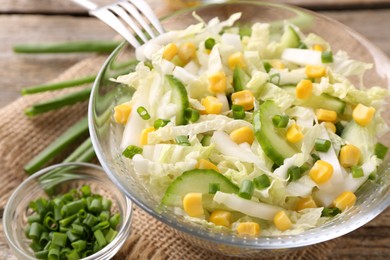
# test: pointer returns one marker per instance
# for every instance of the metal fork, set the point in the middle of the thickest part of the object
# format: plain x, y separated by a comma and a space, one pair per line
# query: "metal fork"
124, 14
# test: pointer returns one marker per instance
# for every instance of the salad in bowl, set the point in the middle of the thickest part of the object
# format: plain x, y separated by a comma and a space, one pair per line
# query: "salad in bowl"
250, 131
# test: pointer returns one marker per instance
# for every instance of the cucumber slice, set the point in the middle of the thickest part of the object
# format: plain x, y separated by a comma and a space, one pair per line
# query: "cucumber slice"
240, 79
180, 97
274, 146
290, 38
324, 101
197, 180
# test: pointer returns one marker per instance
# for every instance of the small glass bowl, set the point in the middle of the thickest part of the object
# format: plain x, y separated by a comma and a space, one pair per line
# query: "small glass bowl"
17, 208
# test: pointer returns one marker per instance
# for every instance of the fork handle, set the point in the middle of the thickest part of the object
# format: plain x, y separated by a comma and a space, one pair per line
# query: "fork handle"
86, 4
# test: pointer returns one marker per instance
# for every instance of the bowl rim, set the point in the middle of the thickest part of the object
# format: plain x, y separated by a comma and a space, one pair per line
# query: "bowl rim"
300, 240
118, 241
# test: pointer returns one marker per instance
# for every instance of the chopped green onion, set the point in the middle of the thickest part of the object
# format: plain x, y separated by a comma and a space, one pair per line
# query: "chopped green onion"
302, 45
73, 255
77, 229
72, 237
262, 182
191, 115
44, 238
79, 245
206, 140
35, 246
42, 254
54, 254
114, 220
160, 123
111, 234
357, 172
50, 223
372, 176
339, 128
34, 218
59, 239
73, 207
143, 113
326, 57
101, 240
182, 140
102, 225
132, 150
330, 212
106, 204
280, 121
104, 215
90, 220
213, 188
95, 206
35, 231
294, 173
267, 66
66, 221
322, 145
85, 191
273, 77
246, 189
315, 157
380, 150
238, 112
209, 43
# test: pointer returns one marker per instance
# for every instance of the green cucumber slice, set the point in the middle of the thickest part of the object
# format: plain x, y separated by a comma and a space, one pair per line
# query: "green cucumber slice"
240, 79
180, 97
197, 180
324, 101
290, 38
276, 147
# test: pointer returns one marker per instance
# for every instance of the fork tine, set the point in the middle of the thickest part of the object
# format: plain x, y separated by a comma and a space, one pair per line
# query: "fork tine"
111, 20
148, 12
134, 12
122, 13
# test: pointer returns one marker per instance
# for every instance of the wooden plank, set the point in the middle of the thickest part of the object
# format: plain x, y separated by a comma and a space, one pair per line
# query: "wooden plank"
55, 6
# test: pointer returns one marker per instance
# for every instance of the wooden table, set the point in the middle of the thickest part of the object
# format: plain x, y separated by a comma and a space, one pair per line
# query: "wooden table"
32, 21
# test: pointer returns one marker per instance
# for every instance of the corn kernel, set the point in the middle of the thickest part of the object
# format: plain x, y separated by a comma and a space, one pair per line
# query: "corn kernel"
192, 204
121, 113
321, 172
363, 115
349, 155
277, 64
206, 164
144, 135
317, 47
315, 71
248, 228
243, 135
217, 82
236, 59
326, 115
345, 200
306, 203
212, 105
282, 221
304, 89
170, 51
221, 218
243, 98
187, 51
294, 134
330, 126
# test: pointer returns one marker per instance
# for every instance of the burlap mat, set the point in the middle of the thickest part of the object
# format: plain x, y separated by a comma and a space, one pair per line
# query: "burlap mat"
21, 138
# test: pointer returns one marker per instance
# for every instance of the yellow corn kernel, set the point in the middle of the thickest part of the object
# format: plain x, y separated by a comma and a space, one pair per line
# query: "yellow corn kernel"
170, 51
248, 228
236, 59
144, 135
363, 115
212, 105
326, 115
121, 113
321, 172
294, 134
243, 135
277, 64
282, 221
221, 218
186, 51
217, 82
345, 200
317, 47
306, 203
192, 204
244, 98
349, 155
330, 126
206, 164
315, 71
304, 89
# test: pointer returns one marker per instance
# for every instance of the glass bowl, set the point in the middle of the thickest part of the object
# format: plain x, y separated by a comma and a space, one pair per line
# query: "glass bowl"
373, 197
16, 211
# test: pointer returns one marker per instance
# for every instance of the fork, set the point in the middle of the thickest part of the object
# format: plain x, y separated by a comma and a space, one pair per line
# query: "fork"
124, 14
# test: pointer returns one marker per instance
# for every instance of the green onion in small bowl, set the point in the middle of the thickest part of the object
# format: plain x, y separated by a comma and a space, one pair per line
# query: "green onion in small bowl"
73, 183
